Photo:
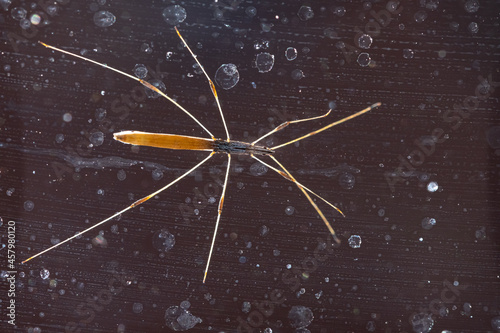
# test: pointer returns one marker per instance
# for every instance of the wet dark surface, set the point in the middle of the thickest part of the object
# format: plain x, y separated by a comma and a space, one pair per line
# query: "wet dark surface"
417, 178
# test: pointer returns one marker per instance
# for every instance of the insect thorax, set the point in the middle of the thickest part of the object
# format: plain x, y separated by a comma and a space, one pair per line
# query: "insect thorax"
240, 148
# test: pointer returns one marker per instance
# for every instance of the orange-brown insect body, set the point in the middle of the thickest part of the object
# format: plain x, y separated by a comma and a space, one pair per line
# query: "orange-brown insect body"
184, 142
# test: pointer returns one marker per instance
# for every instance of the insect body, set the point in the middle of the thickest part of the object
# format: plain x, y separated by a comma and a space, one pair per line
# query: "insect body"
213, 145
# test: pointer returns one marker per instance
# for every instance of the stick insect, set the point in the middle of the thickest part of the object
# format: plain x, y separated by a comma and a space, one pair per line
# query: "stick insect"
212, 145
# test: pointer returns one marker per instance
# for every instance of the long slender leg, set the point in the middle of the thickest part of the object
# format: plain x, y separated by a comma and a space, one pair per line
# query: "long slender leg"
211, 84
135, 204
221, 203
144, 83
286, 123
298, 184
331, 125
320, 213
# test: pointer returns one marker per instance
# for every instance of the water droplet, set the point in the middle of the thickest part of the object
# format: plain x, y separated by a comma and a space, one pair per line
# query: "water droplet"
305, 13
432, 187
140, 71
473, 27
297, 74
264, 62
25, 24
347, 180
291, 53
365, 41
185, 305
364, 59
227, 76
137, 307
96, 138
471, 6
355, 241
29, 205
67, 117
104, 19
258, 169
251, 11
35, 19
157, 174
428, 223
121, 175
174, 15
300, 316
179, 319
339, 11
289, 210
163, 240
420, 16
408, 53
44, 273
18, 13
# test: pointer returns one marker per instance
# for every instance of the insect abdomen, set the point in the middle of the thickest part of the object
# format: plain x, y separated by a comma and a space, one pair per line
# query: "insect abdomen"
167, 141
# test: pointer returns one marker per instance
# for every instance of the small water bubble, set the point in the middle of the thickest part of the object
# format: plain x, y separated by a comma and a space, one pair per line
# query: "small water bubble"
347, 180
364, 59
242, 260
291, 53
100, 192
300, 316
44, 273
305, 13
59, 138
18, 13
179, 319
121, 175
381, 212
289, 210
100, 114
420, 16
471, 6
227, 76
297, 74
96, 138
473, 27
251, 11
258, 169
481, 233
428, 223
365, 41
29, 205
25, 24
408, 53
355, 241
157, 174
432, 187
137, 307
174, 15
163, 240
35, 19
264, 62
67, 117
339, 11
264, 230
140, 71
104, 19
185, 305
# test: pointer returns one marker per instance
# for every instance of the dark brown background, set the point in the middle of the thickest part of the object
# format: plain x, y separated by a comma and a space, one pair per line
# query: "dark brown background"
401, 270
